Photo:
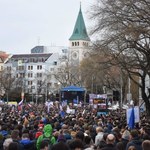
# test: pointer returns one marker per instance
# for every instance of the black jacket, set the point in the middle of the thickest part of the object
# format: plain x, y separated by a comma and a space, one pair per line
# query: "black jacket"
109, 147
136, 142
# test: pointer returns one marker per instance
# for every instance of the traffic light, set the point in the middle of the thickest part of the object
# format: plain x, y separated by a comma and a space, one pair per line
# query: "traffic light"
116, 95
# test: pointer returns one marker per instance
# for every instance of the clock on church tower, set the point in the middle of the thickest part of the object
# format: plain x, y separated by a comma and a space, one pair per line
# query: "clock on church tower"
74, 55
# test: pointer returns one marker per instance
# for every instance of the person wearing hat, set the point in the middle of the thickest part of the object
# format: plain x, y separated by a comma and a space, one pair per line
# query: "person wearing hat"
39, 132
47, 135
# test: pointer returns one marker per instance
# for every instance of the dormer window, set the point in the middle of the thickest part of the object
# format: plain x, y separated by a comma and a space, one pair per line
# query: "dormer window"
55, 62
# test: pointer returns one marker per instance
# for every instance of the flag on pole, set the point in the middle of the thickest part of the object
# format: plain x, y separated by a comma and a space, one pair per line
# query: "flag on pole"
64, 103
83, 112
132, 119
29, 105
60, 107
21, 102
20, 105
68, 110
49, 105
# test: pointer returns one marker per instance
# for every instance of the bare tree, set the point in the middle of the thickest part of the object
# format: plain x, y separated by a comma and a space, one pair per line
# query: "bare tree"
97, 70
123, 27
68, 75
7, 80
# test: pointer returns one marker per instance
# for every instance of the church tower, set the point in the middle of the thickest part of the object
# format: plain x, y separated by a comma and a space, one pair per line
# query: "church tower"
79, 41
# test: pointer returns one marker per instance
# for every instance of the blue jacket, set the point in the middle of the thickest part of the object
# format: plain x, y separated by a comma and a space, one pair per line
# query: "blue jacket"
4, 132
27, 144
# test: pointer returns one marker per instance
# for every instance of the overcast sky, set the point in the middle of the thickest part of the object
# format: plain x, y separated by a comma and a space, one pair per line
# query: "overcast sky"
25, 23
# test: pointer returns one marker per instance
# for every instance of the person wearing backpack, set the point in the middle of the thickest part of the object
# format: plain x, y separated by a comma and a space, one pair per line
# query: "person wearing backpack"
46, 136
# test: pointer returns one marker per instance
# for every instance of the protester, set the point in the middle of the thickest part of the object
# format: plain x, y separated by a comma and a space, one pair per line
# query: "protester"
7, 143
46, 135
110, 143
135, 140
132, 148
37, 128
120, 146
88, 143
13, 146
60, 146
76, 144
102, 143
99, 135
1, 142
26, 142
146, 145
44, 145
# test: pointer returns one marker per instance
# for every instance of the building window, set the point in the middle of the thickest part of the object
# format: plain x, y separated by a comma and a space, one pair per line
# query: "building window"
30, 75
78, 43
72, 43
30, 67
43, 60
39, 75
9, 68
51, 69
39, 67
55, 62
21, 75
21, 68
49, 84
29, 82
1, 67
39, 82
32, 60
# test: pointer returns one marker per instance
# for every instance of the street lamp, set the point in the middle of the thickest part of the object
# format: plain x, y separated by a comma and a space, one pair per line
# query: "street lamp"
59, 91
32, 87
37, 87
46, 91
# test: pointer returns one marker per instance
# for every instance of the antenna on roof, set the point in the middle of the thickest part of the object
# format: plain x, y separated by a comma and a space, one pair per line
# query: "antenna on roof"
38, 41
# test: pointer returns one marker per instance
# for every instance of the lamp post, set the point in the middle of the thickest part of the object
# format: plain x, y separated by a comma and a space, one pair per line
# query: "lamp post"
59, 91
46, 90
92, 86
121, 86
37, 93
32, 87
7, 96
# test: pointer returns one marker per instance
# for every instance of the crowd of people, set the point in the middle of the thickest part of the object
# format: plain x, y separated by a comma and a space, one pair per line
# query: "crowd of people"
35, 127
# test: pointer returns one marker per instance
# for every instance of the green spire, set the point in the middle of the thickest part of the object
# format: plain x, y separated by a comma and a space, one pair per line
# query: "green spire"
79, 32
